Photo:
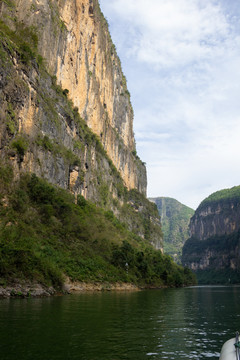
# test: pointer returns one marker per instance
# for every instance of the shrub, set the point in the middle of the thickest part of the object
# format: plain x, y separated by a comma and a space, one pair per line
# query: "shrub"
26, 54
65, 92
21, 145
47, 143
81, 201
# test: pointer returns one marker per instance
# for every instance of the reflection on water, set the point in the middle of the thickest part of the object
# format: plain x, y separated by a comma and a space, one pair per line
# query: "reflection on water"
189, 323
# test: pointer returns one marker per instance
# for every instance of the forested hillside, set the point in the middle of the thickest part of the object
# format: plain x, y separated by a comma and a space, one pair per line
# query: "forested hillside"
45, 235
175, 218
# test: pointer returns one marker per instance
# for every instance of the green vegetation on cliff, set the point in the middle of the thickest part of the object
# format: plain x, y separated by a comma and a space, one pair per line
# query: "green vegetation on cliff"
45, 235
219, 197
175, 219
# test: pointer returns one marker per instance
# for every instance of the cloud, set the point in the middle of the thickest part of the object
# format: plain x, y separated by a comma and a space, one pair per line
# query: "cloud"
172, 33
181, 59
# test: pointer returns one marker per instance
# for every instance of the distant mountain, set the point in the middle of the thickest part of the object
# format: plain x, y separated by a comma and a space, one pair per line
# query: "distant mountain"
212, 250
175, 218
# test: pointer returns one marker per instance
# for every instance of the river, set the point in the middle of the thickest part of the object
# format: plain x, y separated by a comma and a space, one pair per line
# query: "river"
188, 323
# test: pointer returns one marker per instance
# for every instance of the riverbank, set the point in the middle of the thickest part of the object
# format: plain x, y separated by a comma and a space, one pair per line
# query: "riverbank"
28, 289
73, 287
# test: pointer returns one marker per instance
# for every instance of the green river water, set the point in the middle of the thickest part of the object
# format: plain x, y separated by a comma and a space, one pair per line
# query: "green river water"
189, 323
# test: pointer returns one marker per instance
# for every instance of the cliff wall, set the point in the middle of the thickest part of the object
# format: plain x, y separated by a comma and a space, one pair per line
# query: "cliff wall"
65, 110
76, 47
215, 234
216, 218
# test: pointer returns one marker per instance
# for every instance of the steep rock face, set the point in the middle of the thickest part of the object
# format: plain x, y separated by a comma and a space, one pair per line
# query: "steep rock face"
215, 234
215, 219
64, 120
175, 218
74, 41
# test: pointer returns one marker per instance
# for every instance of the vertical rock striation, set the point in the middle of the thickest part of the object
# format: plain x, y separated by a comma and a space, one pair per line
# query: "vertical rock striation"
65, 111
215, 236
215, 218
74, 40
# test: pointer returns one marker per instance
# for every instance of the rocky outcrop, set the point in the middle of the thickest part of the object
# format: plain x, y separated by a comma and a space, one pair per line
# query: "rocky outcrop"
217, 218
215, 234
175, 218
71, 287
76, 47
27, 289
65, 110
23, 289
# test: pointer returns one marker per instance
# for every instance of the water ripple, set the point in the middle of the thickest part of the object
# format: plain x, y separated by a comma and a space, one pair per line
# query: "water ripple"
173, 324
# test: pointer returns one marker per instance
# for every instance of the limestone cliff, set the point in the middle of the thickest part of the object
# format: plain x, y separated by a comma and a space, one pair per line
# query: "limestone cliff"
65, 111
215, 218
74, 41
215, 234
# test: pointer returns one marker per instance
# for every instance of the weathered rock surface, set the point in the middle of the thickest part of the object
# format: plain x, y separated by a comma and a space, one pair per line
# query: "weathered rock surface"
26, 289
215, 219
74, 41
65, 111
215, 233
75, 287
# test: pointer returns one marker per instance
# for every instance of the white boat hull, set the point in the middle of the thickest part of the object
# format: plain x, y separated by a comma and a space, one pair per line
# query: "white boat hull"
228, 351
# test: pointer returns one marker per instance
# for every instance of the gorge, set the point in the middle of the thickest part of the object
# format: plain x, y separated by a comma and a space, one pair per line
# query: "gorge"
175, 218
73, 190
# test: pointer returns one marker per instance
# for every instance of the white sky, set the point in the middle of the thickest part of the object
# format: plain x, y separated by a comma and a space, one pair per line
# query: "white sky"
181, 59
